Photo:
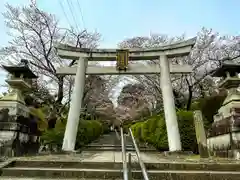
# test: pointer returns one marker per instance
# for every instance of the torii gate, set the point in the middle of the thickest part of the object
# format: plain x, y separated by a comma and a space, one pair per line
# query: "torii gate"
84, 55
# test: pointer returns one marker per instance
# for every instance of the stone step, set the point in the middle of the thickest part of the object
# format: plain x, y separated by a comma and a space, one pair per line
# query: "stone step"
117, 149
117, 145
38, 178
105, 147
111, 145
179, 166
62, 172
113, 174
67, 164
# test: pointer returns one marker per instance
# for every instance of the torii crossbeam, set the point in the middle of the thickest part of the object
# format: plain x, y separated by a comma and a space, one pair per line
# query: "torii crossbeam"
83, 55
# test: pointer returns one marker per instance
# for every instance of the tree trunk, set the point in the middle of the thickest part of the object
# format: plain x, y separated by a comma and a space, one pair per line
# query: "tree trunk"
69, 94
60, 89
190, 93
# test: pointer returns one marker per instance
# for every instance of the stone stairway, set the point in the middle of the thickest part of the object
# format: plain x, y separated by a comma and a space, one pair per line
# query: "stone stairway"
99, 165
59, 169
111, 142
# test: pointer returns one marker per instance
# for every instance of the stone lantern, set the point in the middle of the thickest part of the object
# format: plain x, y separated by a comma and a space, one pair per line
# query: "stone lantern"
14, 114
20, 80
224, 134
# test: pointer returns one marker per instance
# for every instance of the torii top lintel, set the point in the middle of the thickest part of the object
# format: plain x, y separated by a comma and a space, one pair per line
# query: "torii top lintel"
172, 50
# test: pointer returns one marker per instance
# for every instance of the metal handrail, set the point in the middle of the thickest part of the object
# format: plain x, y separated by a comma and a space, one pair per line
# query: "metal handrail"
124, 156
143, 168
117, 134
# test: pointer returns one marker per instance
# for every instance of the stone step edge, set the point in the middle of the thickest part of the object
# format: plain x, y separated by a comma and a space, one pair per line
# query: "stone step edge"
119, 170
117, 146
93, 162
42, 178
112, 149
96, 144
141, 147
105, 147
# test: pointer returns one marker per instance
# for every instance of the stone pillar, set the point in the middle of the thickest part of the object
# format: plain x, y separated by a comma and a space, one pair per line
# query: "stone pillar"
174, 141
75, 107
200, 134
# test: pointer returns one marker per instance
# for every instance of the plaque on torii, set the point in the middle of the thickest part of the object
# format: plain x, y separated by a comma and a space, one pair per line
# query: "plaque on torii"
122, 59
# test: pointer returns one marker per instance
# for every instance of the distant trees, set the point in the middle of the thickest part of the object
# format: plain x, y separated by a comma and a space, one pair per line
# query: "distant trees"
210, 50
33, 36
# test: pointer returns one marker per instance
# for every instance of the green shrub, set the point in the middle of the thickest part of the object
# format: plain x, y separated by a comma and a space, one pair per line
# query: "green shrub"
105, 126
88, 130
210, 105
159, 138
54, 136
154, 132
136, 130
187, 130
127, 125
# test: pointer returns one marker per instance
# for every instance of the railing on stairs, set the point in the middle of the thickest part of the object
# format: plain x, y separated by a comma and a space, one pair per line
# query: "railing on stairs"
143, 168
124, 156
127, 174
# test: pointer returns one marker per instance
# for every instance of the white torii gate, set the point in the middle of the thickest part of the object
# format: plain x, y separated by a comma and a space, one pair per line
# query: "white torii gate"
84, 55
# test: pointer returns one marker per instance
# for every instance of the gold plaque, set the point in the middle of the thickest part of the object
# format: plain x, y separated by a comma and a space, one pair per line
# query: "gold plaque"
122, 59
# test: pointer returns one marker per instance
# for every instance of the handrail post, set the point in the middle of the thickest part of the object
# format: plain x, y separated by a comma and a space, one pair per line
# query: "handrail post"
143, 168
129, 166
124, 158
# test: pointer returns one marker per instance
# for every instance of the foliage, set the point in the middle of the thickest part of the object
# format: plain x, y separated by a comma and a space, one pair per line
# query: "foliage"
33, 34
154, 132
209, 52
88, 130
38, 113
187, 130
105, 126
95, 100
133, 102
209, 106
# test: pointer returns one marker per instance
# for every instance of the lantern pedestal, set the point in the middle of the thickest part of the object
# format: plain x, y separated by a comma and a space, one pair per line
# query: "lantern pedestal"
224, 135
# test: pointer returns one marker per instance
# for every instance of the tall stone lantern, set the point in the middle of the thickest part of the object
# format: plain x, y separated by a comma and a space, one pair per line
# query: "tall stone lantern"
20, 80
224, 134
14, 114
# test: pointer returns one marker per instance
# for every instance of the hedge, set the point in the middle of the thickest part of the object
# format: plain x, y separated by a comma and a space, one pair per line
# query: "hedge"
153, 131
88, 130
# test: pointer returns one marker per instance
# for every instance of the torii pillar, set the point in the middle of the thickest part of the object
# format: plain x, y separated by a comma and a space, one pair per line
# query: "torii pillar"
75, 107
165, 69
174, 141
